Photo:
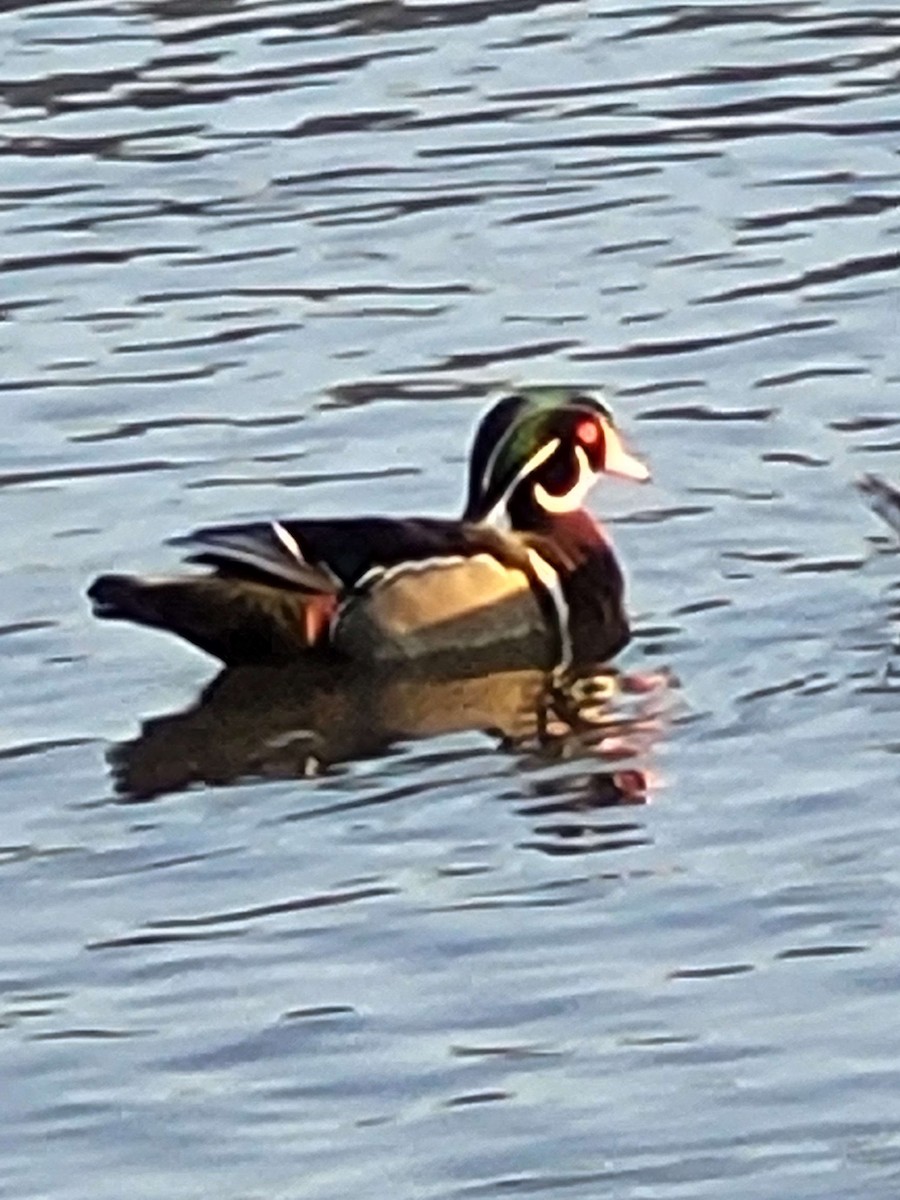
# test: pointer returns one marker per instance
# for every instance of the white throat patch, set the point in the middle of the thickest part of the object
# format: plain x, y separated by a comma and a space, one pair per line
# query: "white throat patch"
573, 499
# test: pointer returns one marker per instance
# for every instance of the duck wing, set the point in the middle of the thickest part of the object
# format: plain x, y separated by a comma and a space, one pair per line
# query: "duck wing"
344, 554
279, 589
263, 550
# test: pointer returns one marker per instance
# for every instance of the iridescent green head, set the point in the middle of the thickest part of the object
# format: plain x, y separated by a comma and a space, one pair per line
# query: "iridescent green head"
541, 449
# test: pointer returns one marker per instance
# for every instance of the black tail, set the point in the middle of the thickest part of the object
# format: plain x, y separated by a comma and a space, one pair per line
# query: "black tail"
237, 621
123, 598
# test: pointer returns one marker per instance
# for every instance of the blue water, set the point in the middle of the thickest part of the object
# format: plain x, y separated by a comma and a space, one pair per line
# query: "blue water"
262, 258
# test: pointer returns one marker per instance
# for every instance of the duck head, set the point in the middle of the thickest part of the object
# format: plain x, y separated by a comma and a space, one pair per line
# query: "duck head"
538, 452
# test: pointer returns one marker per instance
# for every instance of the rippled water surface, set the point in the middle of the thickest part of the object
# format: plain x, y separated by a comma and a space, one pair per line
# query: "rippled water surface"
263, 257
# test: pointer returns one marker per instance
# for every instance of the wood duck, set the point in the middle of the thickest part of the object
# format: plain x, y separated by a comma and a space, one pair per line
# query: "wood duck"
526, 566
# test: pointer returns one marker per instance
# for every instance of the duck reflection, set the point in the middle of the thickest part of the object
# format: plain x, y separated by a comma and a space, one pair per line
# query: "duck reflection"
571, 815
284, 722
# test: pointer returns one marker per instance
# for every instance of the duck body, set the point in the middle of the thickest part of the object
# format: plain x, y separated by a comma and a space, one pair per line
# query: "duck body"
526, 567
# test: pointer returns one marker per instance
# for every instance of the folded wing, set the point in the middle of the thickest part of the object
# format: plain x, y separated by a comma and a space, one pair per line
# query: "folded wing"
333, 556
263, 550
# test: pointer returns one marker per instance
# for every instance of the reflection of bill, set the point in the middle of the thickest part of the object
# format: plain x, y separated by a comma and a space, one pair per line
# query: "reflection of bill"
287, 723
572, 815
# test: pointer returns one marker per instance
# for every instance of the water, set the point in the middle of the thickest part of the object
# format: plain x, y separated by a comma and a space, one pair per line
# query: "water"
270, 258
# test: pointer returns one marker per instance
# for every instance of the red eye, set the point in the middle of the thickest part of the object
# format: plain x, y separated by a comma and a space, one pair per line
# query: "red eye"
587, 432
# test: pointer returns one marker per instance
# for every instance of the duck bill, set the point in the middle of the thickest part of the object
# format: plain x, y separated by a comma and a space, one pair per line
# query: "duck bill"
618, 461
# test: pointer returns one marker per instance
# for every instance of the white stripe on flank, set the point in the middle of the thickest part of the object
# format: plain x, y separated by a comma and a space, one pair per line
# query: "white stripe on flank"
545, 574
550, 579
379, 576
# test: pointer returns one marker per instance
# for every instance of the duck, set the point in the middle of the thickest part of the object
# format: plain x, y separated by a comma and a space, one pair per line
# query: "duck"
526, 567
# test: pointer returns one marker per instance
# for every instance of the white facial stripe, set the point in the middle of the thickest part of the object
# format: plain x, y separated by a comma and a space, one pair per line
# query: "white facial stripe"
532, 464
492, 461
573, 499
495, 454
